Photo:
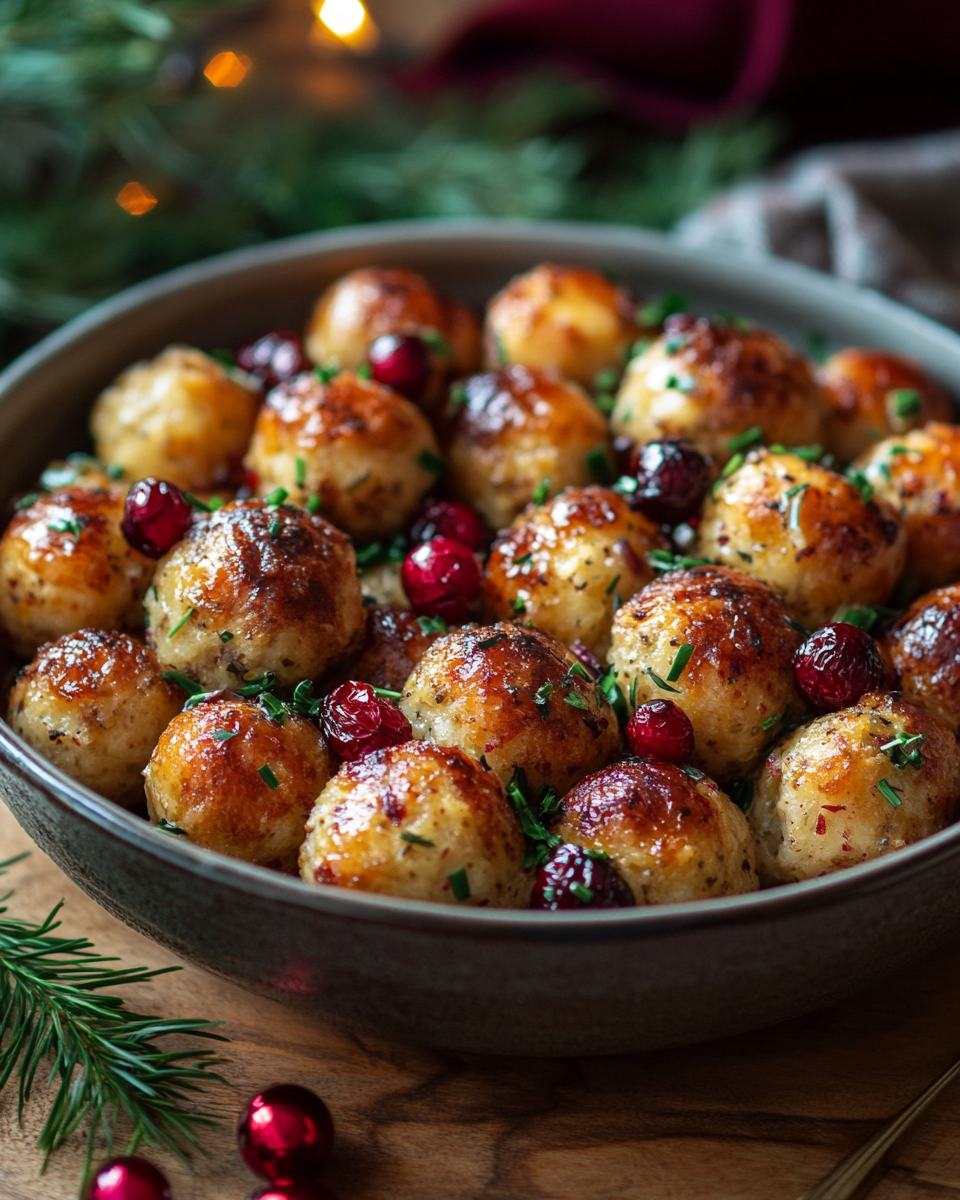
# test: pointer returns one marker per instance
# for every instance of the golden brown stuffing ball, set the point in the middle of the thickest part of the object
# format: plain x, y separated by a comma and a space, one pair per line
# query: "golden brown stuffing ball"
420, 821
255, 588
872, 394
367, 453
923, 648
737, 684
234, 780
831, 796
381, 585
396, 641
710, 380
518, 430
807, 532
65, 565
671, 837
512, 698
566, 319
567, 565
918, 474
181, 417
366, 304
95, 704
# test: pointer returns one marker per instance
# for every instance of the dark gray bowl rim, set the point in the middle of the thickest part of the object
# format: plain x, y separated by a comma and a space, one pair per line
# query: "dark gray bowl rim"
649, 921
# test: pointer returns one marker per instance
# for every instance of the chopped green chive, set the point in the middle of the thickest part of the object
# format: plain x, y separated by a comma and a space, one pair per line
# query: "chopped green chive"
274, 529
302, 699
266, 774
226, 636
276, 709
490, 642
180, 624
224, 735
583, 894
611, 586
432, 625
26, 501
599, 465
864, 618
55, 478
606, 402
795, 496
263, 683
541, 491
416, 840
692, 772
775, 719
675, 344
662, 684
215, 503
680, 661
817, 346
657, 311
906, 402
904, 751
795, 625
723, 316
165, 826
115, 471
73, 526
276, 497
541, 700
460, 884
223, 357
364, 371
518, 604
575, 700
635, 683
190, 686
888, 793
597, 855
580, 670
681, 383
313, 504
458, 395
326, 374
300, 471
199, 505
861, 483
606, 380
523, 560
501, 350
626, 485
663, 560
640, 346
436, 341
747, 440
735, 463
432, 463
387, 694
741, 793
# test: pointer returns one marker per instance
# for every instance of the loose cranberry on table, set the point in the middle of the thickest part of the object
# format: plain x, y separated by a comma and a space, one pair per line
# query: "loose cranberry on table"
441, 579
576, 878
836, 665
450, 519
285, 1134
672, 477
274, 357
401, 361
356, 721
128, 1178
662, 729
155, 517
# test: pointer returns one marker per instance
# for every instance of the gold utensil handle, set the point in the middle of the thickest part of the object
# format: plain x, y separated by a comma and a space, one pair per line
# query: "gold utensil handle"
859, 1171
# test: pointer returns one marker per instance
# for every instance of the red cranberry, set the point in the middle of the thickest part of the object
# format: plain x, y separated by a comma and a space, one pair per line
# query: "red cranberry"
576, 878
623, 447
285, 1133
586, 657
673, 478
449, 519
304, 1190
276, 356
662, 729
155, 517
128, 1178
356, 721
836, 665
403, 362
441, 579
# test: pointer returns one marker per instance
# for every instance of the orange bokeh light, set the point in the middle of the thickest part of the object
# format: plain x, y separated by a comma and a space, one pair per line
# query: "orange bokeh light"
227, 69
135, 199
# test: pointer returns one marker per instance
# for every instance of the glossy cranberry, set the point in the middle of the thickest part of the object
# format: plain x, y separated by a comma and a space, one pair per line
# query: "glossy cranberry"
276, 356
441, 579
403, 362
574, 878
309, 1190
356, 721
449, 519
285, 1134
586, 657
673, 478
155, 517
662, 729
128, 1178
623, 448
836, 665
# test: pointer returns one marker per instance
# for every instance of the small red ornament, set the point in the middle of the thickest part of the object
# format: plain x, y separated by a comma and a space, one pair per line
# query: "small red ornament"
661, 728
401, 361
293, 1191
356, 721
128, 1178
450, 519
285, 1134
441, 579
155, 517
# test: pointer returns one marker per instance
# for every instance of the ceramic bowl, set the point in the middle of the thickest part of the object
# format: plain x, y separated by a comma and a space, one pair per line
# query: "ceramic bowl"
501, 982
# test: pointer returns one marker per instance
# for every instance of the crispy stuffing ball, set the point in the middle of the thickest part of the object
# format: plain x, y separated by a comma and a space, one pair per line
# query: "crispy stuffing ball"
366, 304
568, 564
708, 381
923, 648
506, 696
735, 683
236, 781
517, 430
95, 704
421, 821
671, 837
918, 474
369, 454
255, 588
396, 641
565, 319
381, 586
872, 394
181, 417
831, 796
65, 565
807, 532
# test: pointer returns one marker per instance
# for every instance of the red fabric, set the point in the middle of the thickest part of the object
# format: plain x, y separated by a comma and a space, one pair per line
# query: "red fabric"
672, 63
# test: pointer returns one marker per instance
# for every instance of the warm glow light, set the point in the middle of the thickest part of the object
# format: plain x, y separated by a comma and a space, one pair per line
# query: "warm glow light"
348, 21
342, 17
227, 69
135, 199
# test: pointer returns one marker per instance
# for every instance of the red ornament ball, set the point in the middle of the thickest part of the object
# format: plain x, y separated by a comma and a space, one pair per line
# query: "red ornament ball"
441, 579
155, 517
836, 665
401, 361
661, 729
285, 1134
274, 357
293, 1191
356, 721
672, 480
578, 878
128, 1178
450, 519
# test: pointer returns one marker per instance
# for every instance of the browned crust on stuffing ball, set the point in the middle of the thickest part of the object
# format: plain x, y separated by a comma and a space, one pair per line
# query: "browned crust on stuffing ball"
924, 649
390, 299
523, 399
856, 381
395, 644
76, 667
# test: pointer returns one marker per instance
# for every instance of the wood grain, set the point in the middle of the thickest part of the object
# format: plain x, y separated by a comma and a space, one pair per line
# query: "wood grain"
758, 1117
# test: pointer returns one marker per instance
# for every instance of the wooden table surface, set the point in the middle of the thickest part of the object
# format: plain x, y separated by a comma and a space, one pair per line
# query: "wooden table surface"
757, 1117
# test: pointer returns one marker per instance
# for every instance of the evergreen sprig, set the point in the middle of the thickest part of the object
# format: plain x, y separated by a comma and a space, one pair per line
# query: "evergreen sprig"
105, 1058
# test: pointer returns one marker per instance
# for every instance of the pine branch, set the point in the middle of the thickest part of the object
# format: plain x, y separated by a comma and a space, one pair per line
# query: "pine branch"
105, 1057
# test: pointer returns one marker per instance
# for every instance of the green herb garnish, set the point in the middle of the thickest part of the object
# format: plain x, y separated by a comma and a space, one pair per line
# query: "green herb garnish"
490, 642
165, 826
432, 625
416, 840
663, 560
434, 464
541, 700
795, 496
579, 669
226, 636
523, 559
775, 719
583, 894
192, 500
680, 661
64, 526
541, 491
263, 683
741, 793
888, 793
266, 774
460, 884
599, 465
907, 402
190, 686
861, 483
905, 751
518, 604
611, 586
180, 624
863, 617
275, 528
662, 684
276, 497
575, 700
326, 374
364, 371
747, 440
795, 625
817, 346
300, 471
26, 501
387, 693
224, 735
313, 504
656, 312
681, 383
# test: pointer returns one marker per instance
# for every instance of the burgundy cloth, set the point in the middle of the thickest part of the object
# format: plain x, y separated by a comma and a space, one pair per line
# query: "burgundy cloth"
673, 63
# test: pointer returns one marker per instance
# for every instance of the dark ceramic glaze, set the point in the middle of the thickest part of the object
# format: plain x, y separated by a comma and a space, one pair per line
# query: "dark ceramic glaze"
472, 980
